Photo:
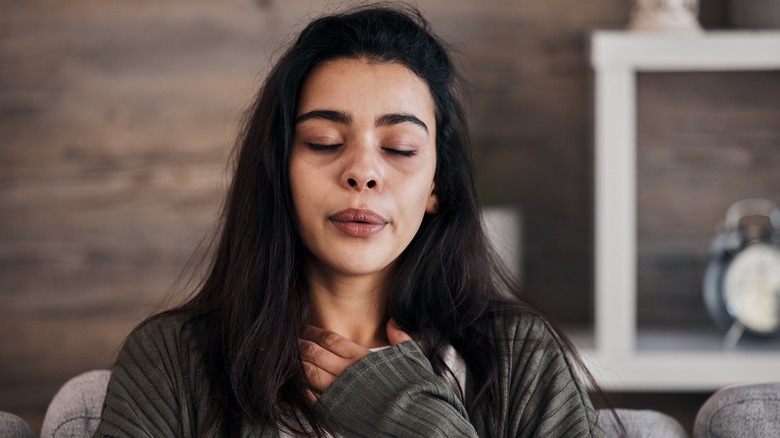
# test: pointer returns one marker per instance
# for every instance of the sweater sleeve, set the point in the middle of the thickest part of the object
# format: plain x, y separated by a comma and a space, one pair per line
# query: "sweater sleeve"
143, 394
394, 392
542, 395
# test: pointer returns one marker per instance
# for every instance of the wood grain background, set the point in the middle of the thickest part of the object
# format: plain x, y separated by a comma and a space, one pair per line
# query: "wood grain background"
705, 140
117, 120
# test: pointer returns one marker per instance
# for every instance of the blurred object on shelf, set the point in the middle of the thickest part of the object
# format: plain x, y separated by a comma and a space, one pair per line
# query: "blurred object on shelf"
665, 15
504, 228
742, 280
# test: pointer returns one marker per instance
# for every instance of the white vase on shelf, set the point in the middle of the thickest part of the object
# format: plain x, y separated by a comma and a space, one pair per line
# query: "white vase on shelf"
665, 15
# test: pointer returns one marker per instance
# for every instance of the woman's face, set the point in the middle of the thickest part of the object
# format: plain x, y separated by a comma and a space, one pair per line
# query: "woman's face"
362, 165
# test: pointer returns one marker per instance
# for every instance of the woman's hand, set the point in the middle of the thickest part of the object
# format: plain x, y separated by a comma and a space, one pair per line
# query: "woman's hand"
327, 354
395, 335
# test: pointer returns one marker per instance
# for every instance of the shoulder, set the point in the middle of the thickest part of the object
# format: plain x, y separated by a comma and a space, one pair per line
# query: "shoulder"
529, 347
522, 327
166, 322
168, 335
533, 356
153, 385
159, 361
161, 327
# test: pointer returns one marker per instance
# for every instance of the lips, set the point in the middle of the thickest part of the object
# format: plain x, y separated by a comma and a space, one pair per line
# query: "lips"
358, 222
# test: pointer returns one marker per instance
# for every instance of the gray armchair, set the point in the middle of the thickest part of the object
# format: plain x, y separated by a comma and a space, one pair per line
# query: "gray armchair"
746, 411
75, 409
642, 424
75, 412
13, 426
740, 411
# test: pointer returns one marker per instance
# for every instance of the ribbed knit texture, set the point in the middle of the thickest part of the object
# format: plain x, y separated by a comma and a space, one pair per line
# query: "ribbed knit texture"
155, 387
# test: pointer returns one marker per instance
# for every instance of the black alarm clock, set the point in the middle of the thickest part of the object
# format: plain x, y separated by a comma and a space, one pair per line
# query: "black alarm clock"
742, 280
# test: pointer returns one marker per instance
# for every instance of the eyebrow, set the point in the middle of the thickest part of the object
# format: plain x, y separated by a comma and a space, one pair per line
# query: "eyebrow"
395, 119
333, 116
346, 118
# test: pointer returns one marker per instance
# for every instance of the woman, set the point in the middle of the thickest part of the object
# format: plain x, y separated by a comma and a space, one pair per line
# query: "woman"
352, 291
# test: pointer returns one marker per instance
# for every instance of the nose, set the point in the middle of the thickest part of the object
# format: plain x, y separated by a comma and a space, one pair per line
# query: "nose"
352, 182
362, 170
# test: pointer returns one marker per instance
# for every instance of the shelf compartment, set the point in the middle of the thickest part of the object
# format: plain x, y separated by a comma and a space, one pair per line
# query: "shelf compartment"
622, 356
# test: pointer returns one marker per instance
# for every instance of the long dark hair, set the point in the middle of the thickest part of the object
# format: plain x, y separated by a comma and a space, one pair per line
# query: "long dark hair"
447, 286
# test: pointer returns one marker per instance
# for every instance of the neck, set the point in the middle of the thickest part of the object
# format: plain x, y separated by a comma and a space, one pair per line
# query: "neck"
353, 307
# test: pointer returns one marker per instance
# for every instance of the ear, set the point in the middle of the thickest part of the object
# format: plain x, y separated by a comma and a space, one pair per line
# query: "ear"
433, 202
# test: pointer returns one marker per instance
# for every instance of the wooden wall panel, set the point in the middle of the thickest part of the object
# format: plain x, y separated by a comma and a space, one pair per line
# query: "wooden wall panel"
117, 122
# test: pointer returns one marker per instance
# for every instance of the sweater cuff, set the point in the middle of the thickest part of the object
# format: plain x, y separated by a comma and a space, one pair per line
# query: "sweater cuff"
395, 392
381, 370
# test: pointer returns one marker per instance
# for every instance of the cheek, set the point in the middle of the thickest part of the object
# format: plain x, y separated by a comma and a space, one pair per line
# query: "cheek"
308, 199
302, 204
419, 196
299, 174
300, 192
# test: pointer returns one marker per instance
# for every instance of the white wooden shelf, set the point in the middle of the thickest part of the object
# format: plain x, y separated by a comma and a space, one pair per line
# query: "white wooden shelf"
622, 357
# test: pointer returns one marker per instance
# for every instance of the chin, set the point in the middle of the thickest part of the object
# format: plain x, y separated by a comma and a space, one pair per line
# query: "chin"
360, 270
359, 265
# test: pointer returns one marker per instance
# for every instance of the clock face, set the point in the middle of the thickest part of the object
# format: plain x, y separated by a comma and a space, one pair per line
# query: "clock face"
751, 287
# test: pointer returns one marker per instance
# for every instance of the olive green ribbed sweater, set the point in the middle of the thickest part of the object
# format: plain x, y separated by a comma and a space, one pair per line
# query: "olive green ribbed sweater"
392, 392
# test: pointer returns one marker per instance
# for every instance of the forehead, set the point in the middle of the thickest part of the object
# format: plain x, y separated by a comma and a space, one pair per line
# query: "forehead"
367, 86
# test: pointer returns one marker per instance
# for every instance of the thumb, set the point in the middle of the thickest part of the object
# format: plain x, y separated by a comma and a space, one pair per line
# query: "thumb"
395, 335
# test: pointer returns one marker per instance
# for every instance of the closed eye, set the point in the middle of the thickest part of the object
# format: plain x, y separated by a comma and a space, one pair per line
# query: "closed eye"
401, 152
323, 147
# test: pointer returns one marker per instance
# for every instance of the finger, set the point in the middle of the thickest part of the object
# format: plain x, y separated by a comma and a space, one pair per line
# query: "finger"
395, 335
322, 358
313, 398
335, 343
318, 378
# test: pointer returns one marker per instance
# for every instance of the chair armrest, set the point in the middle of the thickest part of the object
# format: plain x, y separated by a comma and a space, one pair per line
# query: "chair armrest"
641, 424
12, 425
740, 411
75, 409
